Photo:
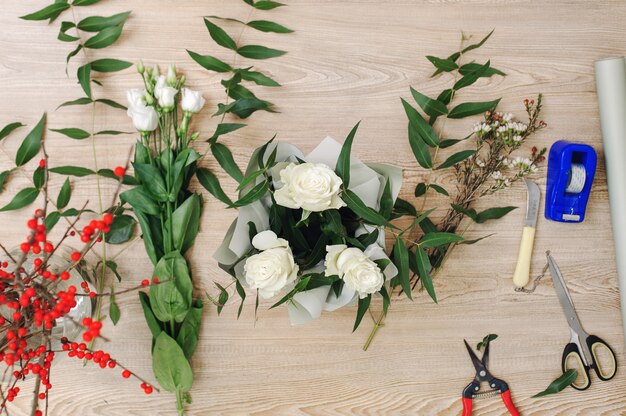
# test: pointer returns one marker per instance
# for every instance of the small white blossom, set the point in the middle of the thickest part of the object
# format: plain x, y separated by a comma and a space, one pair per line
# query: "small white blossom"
496, 175
479, 162
507, 117
517, 138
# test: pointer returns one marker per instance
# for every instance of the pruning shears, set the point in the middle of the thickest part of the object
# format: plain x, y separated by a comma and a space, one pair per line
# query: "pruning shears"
472, 392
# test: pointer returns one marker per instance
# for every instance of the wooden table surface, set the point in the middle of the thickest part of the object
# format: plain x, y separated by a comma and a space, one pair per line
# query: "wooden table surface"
348, 61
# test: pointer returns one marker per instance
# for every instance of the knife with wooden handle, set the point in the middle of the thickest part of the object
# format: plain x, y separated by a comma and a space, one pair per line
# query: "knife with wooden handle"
521, 276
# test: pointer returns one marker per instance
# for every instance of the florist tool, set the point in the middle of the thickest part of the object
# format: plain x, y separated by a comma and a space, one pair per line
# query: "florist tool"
611, 87
583, 349
482, 374
571, 168
522, 269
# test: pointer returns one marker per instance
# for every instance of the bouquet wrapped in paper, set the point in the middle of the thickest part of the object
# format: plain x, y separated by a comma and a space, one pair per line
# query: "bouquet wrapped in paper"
310, 230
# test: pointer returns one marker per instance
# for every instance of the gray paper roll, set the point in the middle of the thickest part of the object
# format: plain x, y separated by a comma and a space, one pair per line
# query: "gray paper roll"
611, 88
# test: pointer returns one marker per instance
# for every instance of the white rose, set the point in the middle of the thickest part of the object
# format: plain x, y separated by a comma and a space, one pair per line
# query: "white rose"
271, 269
358, 271
164, 93
145, 118
192, 101
310, 186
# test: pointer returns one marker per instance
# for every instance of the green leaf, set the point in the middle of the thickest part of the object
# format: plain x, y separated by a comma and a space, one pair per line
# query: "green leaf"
472, 67
104, 38
39, 177
259, 52
423, 270
471, 77
421, 126
267, 26
72, 171
222, 299
209, 62
477, 45
98, 23
219, 35
343, 162
171, 298
63, 36
470, 212
403, 207
486, 341
225, 158
3, 177
111, 265
493, 214
456, 158
386, 201
84, 78
566, 379
258, 78
253, 195
110, 103
190, 330
433, 108
185, 221
73, 133
448, 142
49, 12
64, 195
470, 109
211, 183
364, 305
84, 2
72, 54
267, 4
243, 108
152, 180
23, 198
52, 219
114, 310
31, 144
111, 133
122, 229
358, 206
242, 294
420, 189
439, 189
401, 260
79, 101
437, 239
476, 240
170, 366
141, 200
446, 96
445, 65
151, 320
225, 128
109, 65
8, 129
419, 148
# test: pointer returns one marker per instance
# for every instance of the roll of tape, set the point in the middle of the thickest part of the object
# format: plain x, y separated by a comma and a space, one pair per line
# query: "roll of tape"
577, 178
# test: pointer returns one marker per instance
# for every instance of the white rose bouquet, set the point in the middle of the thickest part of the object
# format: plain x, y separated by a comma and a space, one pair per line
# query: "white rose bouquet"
310, 230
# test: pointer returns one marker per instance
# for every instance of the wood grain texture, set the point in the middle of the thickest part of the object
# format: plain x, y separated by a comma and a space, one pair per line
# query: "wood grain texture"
348, 61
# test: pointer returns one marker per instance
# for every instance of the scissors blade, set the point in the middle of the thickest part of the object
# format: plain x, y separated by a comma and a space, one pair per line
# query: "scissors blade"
578, 333
477, 363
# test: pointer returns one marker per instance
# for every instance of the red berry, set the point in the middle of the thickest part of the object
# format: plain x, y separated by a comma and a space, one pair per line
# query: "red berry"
111, 364
119, 171
32, 224
107, 218
42, 396
48, 248
148, 389
76, 256
155, 280
145, 282
24, 247
92, 295
85, 238
42, 163
86, 321
126, 374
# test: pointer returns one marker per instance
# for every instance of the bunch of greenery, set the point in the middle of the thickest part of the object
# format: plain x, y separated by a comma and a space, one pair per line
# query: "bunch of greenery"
482, 168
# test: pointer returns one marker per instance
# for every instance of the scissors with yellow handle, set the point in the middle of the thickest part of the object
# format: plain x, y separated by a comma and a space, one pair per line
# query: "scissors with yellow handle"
584, 352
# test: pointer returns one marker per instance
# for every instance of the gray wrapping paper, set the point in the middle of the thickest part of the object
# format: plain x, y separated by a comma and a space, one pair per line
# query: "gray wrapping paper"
611, 88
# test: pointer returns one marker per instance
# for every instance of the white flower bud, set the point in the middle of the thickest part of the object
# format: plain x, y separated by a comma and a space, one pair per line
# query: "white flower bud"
192, 101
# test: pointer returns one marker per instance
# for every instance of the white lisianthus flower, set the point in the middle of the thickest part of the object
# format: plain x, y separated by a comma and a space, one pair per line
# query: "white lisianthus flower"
145, 119
273, 268
311, 186
164, 93
136, 98
357, 270
192, 101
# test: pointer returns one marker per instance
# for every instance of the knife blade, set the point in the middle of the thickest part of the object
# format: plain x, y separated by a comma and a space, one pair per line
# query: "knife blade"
521, 276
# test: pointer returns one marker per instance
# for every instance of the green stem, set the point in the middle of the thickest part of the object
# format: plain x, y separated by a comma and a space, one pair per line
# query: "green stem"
377, 325
179, 402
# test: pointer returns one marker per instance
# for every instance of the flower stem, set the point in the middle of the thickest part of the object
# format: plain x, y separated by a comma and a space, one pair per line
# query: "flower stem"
377, 325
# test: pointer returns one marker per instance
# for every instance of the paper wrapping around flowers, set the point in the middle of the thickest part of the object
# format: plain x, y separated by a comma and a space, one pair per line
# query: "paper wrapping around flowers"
366, 180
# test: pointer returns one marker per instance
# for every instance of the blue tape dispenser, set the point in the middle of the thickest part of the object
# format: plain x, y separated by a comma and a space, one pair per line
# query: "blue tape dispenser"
571, 168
